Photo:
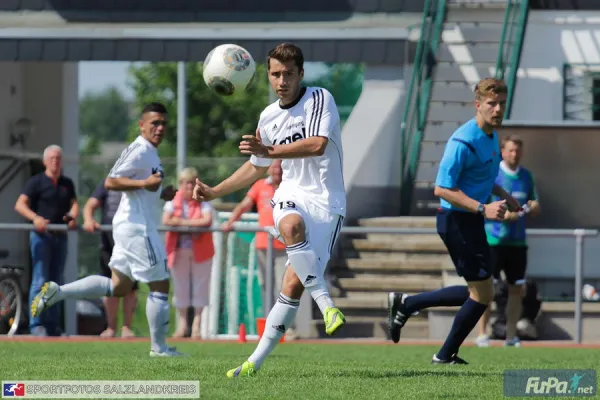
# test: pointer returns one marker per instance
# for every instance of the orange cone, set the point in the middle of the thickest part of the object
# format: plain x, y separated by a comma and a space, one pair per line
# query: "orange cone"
242, 334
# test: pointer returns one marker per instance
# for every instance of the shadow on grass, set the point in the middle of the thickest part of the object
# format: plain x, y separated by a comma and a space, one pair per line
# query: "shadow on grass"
414, 374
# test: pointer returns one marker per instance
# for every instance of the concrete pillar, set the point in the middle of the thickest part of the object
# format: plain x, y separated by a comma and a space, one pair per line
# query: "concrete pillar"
70, 145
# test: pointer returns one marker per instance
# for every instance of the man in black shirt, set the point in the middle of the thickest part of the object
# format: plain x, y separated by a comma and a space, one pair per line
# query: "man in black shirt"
48, 198
109, 201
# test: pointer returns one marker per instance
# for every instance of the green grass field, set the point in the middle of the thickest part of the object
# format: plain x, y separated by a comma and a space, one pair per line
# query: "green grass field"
294, 370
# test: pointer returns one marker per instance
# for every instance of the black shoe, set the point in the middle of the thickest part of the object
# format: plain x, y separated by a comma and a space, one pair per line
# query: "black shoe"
453, 360
397, 314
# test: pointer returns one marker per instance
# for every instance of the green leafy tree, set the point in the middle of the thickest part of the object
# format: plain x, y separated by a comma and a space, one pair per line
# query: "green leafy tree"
103, 116
215, 123
344, 81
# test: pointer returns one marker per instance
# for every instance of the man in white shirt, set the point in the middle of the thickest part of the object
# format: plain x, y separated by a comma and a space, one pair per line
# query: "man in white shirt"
139, 253
303, 129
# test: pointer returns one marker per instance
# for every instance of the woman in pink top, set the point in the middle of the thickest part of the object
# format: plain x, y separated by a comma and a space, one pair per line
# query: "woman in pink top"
189, 256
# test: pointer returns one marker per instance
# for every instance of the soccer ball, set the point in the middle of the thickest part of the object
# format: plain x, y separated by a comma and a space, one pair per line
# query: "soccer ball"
228, 69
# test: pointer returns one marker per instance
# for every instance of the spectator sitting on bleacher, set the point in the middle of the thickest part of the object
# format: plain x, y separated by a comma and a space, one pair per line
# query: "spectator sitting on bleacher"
48, 198
189, 256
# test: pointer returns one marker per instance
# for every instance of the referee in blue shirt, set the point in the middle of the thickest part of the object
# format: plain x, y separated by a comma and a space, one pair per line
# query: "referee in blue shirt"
465, 180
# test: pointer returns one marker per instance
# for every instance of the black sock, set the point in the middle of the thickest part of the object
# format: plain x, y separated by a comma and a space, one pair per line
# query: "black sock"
448, 297
465, 320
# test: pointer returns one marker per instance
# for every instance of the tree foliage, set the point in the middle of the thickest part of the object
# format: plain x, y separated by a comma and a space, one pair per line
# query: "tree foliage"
103, 116
344, 81
215, 123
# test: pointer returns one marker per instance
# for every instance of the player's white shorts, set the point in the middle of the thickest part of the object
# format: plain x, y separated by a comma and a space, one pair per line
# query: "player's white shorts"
139, 256
322, 226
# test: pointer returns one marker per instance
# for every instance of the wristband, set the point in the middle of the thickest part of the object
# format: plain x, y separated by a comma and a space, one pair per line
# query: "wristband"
524, 210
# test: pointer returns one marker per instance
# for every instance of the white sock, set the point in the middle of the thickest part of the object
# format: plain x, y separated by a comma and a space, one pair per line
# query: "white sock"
278, 321
90, 287
306, 265
157, 312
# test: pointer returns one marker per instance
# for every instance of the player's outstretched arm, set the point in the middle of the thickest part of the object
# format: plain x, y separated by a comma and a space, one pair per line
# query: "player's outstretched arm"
309, 147
123, 184
243, 177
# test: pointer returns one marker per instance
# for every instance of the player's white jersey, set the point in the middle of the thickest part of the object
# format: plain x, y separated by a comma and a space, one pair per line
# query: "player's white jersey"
138, 208
313, 114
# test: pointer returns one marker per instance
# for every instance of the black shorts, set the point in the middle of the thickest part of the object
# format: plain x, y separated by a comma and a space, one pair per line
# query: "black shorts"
512, 260
105, 270
464, 236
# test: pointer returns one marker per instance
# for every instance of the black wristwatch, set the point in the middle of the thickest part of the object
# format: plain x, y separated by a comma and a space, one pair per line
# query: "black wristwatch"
481, 209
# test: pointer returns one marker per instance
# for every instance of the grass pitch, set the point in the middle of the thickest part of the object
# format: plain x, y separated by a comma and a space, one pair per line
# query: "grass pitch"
294, 370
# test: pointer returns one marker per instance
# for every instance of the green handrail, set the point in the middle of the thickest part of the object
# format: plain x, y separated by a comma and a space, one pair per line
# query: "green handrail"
516, 55
419, 92
510, 46
502, 46
413, 79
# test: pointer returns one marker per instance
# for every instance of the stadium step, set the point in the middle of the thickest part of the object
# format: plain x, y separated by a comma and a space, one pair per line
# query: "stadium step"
391, 265
375, 283
482, 52
365, 300
467, 53
371, 327
367, 269
425, 243
432, 151
398, 222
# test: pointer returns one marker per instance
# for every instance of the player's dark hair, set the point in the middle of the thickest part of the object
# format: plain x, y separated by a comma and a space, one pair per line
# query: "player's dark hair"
154, 107
516, 139
285, 52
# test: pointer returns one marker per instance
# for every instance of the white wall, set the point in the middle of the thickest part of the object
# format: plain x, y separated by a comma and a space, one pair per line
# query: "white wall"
11, 107
552, 39
47, 94
371, 144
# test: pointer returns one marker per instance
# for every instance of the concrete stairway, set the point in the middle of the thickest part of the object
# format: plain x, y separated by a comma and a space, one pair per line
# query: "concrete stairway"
369, 267
468, 53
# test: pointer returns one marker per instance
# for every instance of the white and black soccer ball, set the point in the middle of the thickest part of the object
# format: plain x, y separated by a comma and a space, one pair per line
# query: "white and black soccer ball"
229, 69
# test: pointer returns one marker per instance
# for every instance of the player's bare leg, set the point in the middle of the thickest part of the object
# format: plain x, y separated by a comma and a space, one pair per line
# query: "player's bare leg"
483, 339
111, 307
182, 323
196, 323
305, 263
514, 307
129, 304
304, 272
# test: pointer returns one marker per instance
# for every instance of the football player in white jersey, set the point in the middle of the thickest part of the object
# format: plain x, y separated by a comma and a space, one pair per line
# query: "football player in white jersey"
139, 253
303, 129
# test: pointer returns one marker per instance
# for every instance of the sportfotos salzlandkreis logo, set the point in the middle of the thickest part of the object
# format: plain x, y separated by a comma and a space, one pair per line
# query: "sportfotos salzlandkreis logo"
550, 383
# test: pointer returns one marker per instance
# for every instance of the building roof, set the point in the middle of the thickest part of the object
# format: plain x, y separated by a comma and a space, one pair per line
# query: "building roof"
47, 36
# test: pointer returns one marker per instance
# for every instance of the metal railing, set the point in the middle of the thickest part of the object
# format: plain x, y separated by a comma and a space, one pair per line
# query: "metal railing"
581, 92
578, 234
